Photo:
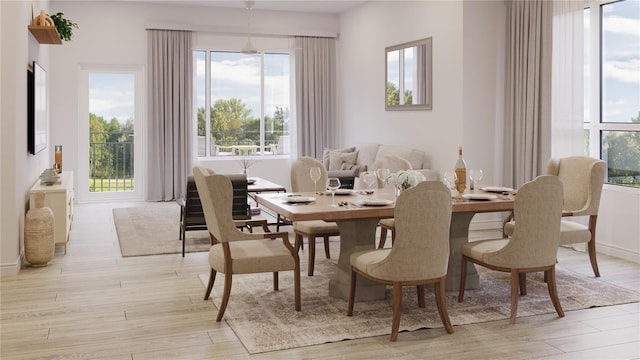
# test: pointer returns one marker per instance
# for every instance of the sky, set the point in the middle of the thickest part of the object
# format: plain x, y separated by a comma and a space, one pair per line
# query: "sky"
111, 95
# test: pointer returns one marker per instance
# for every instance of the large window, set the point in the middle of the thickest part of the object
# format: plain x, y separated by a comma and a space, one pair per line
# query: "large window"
612, 88
246, 101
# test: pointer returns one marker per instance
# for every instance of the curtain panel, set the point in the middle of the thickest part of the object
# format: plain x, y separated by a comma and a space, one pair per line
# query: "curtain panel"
527, 90
169, 113
315, 83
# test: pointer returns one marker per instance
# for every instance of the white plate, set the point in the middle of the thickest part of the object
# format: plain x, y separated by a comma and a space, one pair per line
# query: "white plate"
498, 189
376, 202
479, 197
300, 199
344, 192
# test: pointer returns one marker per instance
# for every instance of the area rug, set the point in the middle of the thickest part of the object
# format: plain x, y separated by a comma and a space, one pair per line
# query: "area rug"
265, 320
155, 230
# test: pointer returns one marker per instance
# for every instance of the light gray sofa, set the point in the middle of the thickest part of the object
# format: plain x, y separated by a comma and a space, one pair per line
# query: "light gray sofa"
340, 162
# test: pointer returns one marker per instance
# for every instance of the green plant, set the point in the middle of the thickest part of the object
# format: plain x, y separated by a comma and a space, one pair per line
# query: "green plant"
64, 26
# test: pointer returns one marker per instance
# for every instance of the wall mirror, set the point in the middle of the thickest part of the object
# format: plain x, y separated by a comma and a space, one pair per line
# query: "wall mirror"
408, 72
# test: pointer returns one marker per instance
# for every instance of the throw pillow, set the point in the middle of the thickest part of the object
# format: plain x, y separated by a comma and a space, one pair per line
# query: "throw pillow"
325, 154
337, 159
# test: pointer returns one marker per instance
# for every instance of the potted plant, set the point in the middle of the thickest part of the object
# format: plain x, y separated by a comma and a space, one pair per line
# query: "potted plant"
64, 26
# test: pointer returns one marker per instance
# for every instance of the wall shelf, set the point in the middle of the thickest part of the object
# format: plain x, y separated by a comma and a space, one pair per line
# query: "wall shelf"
46, 34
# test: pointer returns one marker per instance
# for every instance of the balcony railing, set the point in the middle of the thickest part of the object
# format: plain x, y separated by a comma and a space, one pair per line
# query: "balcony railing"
111, 165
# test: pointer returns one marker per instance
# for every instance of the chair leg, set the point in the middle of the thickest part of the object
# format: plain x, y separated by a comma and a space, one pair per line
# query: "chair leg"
592, 245
184, 241
212, 279
312, 255
225, 295
299, 243
352, 293
397, 307
441, 302
276, 283
383, 237
393, 237
523, 283
515, 276
296, 285
463, 279
420, 291
553, 291
326, 247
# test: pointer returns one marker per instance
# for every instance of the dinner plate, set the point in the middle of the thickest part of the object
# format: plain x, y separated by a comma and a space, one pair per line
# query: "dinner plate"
251, 181
344, 192
479, 197
498, 189
376, 202
300, 199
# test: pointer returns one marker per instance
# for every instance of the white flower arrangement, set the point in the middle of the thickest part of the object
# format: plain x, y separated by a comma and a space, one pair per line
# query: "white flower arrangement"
246, 163
405, 179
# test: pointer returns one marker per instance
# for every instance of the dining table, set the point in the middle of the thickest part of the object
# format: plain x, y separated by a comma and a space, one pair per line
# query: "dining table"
357, 213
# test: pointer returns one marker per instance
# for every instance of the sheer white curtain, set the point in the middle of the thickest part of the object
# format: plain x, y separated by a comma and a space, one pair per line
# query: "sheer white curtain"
170, 111
527, 125
315, 87
567, 79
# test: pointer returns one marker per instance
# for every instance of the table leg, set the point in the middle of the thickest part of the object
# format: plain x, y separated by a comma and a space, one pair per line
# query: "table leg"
458, 236
355, 235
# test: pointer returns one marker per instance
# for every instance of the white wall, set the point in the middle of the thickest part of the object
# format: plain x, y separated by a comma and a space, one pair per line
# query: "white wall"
19, 168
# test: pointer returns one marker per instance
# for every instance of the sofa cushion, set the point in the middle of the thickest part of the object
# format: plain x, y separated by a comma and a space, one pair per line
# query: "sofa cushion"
367, 155
325, 154
337, 159
414, 156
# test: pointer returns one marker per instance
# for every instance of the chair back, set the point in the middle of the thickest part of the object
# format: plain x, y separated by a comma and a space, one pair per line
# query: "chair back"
240, 209
582, 178
392, 162
216, 196
193, 214
536, 235
301, 177
422, 221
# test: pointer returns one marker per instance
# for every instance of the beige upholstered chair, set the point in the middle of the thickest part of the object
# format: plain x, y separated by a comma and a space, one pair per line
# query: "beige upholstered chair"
420, 255
394, 164
533, 246
237, 252
301, 182
582, 178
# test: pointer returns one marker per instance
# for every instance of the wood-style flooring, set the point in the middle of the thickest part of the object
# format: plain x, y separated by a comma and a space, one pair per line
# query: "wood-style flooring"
94, 304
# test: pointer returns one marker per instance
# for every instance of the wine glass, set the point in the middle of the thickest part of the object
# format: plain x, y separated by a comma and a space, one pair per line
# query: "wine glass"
449, 179
369, 178
383, 174
333, 184
315, 174
475, 175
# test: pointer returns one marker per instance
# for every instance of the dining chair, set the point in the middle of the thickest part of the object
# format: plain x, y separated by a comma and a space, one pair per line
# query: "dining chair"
301, 182
420, 255
582, 178
237, 252
533, 246
394, 164
192, 215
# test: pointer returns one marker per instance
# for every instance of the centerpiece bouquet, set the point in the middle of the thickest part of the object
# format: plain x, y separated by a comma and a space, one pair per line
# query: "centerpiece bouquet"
405, 179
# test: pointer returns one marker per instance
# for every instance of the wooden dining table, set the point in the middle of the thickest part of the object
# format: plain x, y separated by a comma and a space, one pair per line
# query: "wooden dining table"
357, 224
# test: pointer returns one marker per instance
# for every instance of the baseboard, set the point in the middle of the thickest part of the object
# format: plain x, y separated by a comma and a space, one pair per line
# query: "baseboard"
618, 252
11, 269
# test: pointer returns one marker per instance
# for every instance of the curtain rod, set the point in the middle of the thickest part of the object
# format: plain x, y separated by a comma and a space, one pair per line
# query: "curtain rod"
238, 30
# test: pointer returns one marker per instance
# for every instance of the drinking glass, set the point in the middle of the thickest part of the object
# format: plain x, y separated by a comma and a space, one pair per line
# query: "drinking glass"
475, 175
369, 178
333, 184
449, 178
383, 174
315, 174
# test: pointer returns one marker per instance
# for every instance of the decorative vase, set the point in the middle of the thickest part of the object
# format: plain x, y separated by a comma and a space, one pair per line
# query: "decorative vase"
39, 230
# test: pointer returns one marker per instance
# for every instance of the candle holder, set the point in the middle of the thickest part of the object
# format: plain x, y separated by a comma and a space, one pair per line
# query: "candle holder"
58, 155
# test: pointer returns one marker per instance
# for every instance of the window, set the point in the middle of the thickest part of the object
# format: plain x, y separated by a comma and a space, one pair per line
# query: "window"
612, 64
246, 99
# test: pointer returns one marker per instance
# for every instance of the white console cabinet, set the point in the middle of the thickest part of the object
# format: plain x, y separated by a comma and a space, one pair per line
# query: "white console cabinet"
59, 198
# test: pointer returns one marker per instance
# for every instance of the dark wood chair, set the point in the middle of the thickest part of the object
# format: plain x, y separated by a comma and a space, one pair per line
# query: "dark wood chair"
192, 215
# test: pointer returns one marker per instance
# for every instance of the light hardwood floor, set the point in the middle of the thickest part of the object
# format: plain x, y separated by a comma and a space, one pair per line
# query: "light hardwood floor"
94, 304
